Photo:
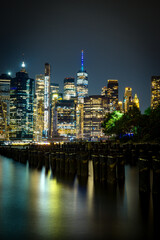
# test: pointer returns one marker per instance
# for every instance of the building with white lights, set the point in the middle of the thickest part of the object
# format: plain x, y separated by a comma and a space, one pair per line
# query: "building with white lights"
155, 91
4, 106
46, 130
21, 106
69, 88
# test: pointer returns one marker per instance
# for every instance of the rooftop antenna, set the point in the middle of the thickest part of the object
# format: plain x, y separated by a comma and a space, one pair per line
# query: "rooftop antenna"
82, 60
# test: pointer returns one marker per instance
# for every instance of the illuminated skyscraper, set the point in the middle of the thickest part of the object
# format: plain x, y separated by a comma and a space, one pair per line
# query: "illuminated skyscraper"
66, 118
55, 96
155, 91
112, 94
69, 88
127, 98
46, 130
95, 108
4, 106
82, 83
82, 92
21, 106
39, 107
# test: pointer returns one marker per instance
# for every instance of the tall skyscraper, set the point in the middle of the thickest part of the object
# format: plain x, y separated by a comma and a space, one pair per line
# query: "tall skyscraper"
82, 92
55, 96
127, 98
4, 106
69, 88
155, 91
39, 107
112, 94
21, 106
46, 131
82, 82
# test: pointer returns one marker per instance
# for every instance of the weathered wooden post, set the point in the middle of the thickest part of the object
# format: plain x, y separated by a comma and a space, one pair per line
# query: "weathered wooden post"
156, 174
96, 167
103, 168
111, 168
120, 167
144, 172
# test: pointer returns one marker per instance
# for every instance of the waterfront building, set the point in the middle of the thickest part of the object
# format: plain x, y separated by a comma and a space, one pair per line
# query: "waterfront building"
69, 88
4, 106
21, 106
112, 94
95, 109
155, 91
39, 107
66, 118
82, 82
127, 98
46, 131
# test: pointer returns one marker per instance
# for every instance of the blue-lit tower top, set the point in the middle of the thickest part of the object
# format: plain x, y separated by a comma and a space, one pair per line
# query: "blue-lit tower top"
82, 82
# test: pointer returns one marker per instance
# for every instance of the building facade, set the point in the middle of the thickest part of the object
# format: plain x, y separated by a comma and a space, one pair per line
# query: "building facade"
127, 98
21, 106
155, 91
39, 107
112, 94
46, 131
82, 83
69, 89
4, 106
95, 109
66, 118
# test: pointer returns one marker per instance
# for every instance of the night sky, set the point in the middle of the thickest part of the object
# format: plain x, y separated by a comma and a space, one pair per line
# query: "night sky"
120, 39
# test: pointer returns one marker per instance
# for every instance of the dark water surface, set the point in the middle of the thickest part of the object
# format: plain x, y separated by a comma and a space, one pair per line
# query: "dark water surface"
38, 205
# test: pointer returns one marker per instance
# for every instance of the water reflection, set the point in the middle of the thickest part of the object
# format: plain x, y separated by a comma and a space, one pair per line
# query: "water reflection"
42, 205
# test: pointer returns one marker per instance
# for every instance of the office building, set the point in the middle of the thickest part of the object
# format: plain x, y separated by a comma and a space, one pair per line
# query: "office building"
46, 131
69, 89
112, 94
127, 98
95, 109
21, 106
39, 107
66, 118
4, 106
82, 82
155, 91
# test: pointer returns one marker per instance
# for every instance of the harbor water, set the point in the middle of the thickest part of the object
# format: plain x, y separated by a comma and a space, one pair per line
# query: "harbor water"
39, 205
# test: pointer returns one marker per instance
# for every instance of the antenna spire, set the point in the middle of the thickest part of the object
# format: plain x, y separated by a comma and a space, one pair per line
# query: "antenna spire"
82, 60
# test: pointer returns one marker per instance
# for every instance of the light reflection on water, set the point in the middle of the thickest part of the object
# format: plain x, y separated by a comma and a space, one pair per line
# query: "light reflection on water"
37, 204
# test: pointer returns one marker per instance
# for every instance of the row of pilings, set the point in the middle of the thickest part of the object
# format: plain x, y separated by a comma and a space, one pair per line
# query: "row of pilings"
109, 160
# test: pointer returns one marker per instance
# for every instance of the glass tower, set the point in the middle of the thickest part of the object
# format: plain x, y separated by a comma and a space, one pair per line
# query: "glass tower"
69, 88
82, 82
4, 106
21, 106
46, 101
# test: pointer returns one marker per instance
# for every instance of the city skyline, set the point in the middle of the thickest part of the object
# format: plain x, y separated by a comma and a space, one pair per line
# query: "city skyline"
120, 41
